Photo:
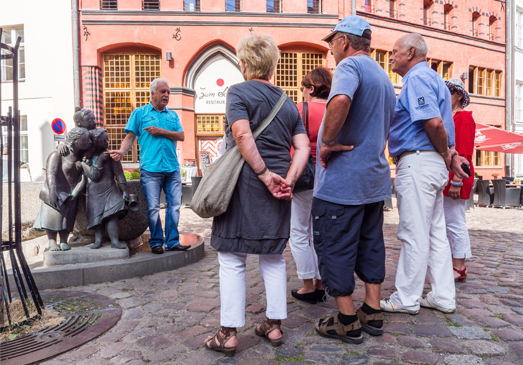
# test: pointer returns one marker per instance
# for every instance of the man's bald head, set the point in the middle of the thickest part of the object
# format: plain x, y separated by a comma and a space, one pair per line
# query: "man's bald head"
408, 50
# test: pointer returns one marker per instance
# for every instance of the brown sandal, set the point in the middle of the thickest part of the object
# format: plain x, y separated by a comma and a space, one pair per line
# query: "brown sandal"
267, 327
337, 330
218, 341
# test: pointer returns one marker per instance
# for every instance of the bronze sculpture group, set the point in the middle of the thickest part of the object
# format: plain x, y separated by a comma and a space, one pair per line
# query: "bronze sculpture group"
83, 165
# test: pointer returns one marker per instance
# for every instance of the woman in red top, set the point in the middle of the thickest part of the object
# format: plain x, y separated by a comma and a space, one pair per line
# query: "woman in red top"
458, 191
316, 87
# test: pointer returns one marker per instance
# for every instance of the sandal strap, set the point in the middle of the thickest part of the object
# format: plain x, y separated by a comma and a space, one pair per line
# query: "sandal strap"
341, 329
364, 317
270, 325
222, 339
461, 272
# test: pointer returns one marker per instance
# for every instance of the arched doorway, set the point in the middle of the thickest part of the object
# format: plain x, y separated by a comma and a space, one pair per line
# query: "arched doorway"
210, 76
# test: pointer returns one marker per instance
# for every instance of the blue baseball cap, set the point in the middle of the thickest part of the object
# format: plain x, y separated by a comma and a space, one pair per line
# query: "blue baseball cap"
350, 24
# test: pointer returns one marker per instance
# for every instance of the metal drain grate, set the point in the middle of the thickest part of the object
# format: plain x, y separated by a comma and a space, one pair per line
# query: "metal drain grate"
86, 316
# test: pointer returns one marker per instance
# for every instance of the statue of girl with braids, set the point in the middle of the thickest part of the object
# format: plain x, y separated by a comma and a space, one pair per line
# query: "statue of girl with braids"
64, 181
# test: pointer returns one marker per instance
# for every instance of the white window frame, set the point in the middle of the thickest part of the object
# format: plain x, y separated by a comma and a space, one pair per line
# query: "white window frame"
23, 136
518, 104
519, 27
21, 65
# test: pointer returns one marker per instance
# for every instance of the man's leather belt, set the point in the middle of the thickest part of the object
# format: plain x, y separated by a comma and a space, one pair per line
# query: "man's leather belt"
395, 160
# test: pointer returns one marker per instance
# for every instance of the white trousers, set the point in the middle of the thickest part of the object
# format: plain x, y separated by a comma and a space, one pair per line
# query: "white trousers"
232, 287
301, 236
425, 251
457, 232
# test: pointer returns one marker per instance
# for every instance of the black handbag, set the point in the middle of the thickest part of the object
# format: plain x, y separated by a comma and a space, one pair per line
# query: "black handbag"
306, 179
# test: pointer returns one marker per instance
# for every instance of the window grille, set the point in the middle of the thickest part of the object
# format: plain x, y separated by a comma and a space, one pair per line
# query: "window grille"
109, 5
233, 5
274, 6
210, 124
314, 7
150, 4
126, 81
192, 5
291, 69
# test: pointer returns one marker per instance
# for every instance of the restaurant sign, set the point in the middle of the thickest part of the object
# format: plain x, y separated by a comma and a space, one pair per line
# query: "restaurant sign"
212, 84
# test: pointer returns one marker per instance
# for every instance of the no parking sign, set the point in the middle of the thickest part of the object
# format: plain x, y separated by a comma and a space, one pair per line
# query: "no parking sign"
58, 126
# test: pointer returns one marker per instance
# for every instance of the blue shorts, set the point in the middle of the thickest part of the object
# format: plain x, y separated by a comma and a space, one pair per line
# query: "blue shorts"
348, 239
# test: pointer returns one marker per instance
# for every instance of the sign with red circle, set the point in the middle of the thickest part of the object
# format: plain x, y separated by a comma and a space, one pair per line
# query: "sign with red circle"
220, 82
58, 126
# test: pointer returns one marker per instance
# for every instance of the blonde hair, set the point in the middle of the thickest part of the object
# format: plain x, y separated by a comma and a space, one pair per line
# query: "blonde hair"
260, 55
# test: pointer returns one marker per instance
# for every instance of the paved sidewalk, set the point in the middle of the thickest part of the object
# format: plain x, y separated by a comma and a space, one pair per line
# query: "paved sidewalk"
166, 316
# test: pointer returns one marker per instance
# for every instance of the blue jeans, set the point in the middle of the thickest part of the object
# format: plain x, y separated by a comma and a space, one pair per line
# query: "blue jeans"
152, 184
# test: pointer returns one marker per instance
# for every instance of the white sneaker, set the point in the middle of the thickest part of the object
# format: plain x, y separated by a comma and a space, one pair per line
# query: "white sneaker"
424, 302
386, 305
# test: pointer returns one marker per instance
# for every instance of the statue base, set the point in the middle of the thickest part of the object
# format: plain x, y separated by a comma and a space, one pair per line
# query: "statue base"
85, 255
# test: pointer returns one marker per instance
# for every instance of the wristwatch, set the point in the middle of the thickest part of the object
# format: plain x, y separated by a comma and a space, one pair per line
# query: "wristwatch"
327, 143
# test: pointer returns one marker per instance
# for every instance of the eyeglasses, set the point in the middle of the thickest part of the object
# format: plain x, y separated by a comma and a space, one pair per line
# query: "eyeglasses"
331, 42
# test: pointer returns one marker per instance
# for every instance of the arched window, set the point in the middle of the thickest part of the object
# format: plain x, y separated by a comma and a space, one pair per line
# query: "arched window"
492, 28
393, 11
447, 14
475, 23
427, 7
369, 6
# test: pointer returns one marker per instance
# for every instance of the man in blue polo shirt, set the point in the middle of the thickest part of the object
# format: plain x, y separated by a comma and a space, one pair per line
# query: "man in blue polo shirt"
422, 144
158, 129
352, 181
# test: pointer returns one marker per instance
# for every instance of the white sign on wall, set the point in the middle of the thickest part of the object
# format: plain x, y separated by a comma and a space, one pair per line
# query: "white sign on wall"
212, 84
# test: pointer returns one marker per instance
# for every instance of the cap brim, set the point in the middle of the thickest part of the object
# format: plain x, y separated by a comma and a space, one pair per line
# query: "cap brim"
328, 38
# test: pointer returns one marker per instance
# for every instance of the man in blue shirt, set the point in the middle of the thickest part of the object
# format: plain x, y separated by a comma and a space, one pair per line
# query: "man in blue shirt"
158, 129
422, 145
352, 181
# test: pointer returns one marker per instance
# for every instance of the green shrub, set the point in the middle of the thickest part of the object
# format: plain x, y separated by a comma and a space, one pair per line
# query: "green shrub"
136, 170
135, 175
128, 175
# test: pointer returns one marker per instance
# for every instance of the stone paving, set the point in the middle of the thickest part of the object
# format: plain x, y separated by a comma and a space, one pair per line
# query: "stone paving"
166, 316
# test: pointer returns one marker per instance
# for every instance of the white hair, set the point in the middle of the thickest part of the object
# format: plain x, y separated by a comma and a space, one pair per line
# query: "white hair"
155, 82
417, 42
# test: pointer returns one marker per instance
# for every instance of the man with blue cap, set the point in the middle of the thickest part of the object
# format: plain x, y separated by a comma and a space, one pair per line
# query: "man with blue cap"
352, 181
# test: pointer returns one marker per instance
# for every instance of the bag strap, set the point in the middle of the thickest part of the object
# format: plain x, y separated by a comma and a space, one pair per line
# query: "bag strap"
306, 116
268, 119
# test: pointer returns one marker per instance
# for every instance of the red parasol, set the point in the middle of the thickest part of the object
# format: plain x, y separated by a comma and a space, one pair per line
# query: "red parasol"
498, 140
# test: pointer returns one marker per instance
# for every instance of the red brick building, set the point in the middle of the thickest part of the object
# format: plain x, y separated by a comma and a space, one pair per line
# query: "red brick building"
126, 44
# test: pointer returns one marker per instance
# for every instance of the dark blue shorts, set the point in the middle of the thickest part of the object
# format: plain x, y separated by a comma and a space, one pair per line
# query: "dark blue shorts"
348, 239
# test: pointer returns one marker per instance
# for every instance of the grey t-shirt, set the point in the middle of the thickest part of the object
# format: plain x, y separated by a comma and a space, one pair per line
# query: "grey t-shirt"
360, 176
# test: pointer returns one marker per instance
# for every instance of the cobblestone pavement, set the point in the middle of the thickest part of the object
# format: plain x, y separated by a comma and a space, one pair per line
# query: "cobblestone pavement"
166, 316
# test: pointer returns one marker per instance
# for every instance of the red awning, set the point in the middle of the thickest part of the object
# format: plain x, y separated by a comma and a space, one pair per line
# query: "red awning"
498, 140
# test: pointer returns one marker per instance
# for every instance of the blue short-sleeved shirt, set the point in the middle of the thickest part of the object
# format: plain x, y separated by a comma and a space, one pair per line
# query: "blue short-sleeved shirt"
424, 96
360, 176
157, 153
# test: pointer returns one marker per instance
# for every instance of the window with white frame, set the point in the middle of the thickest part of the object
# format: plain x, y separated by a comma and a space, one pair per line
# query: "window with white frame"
519, 102
24, 139
9, 37
519, 28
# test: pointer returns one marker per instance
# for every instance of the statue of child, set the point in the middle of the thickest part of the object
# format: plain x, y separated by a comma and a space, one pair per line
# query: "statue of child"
64, 181
105, 201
